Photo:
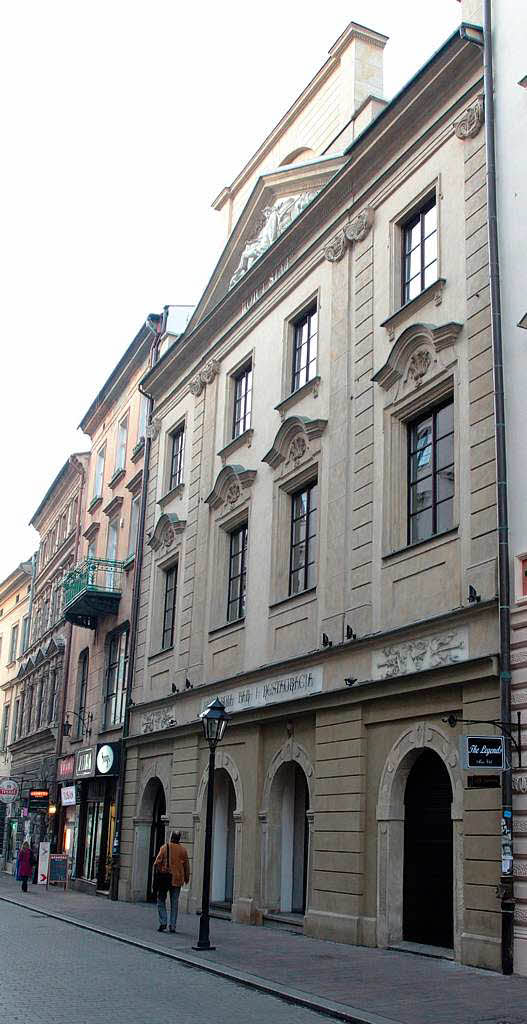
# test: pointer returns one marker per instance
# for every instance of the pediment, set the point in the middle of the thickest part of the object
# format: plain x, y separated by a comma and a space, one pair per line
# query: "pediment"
167, 528
39, 657
231, 482
24, 669
51, 648
414, 353
278, 198
292, 440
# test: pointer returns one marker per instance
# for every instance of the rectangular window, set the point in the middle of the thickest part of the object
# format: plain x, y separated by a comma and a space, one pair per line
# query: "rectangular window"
176, 461
303, 563
16, 720
111, 551
39, 702
237, 574
29, 708
420, 263
169, 607
243, 387
14, 643
5, 727
92, 550
82, 690
143, 414
122, 435
305, 349
52, 697
134, 525
99, 473
116, 670
431, 473
25, 633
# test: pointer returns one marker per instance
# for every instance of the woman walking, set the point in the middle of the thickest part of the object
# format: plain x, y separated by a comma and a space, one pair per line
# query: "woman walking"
171, 871
24, 866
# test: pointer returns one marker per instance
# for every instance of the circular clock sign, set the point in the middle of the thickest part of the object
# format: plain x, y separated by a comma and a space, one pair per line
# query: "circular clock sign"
105, 759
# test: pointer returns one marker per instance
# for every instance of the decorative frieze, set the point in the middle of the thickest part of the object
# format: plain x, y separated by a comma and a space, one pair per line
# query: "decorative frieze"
167, 528
162, 718
335, 249
420, 655
418, 366
519, 783
355, 231
471, 121
153, 428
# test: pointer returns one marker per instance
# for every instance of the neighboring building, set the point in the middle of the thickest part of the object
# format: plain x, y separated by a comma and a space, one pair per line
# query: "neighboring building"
36, 692
15, 598
321, 528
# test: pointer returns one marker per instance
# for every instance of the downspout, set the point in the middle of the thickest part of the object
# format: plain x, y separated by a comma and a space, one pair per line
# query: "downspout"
506, 888
116, 851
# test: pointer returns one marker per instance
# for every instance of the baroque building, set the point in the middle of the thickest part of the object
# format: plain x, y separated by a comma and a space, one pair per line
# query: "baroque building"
320, 545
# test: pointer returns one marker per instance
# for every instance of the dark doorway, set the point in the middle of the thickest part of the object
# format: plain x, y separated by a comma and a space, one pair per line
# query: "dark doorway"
428, 900
157, 834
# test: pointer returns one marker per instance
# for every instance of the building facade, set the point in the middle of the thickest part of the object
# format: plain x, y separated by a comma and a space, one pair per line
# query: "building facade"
321, 529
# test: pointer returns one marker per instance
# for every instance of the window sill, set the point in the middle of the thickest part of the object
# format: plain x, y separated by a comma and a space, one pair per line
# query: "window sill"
435, 289
157, 654
134, 485
294, 597
312, 386
176, 492
118, 475
452, 533
109, 729
94, 503
137, 452
237, 442
129, 563
226, 626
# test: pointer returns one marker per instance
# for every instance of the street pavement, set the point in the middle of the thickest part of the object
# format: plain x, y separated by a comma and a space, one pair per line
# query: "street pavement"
374, 986
51, 973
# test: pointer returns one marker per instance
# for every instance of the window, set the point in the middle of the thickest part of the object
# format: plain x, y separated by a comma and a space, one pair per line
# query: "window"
39, 702
122, 434
116, 679
16, 720
92, 549
45, 615
0, 647
99, 473
169, 607
111, 550
14, 643
420, 264
143, 415
29, 708
25, 633
52, 697
176, 461
5, 727
134, 525
82, 689
431, 473
237, 574
21, 724
243, 386
302, 569
305, 349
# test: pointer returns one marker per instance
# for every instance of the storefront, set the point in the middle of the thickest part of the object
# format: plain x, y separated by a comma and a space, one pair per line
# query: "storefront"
93, 829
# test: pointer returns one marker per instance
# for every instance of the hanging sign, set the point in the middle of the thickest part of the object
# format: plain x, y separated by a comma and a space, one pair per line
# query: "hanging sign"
85, 763
107, 759
8, 790
66, 767
43, 863
68, 796
483, 752
38, 801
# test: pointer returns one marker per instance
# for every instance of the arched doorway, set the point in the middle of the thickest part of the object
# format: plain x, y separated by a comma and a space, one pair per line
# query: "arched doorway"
289, 806
155, 796
428, 884
224, 839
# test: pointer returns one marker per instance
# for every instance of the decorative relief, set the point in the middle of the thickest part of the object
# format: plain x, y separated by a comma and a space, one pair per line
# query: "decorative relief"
335, 249
231, 484
209, 371
418, 366
297, 449
275, 219
519, 783
438, 296
167, 537
155, 721
196, 386
471, 121
153, 428
167, 528
420, 655
232, 494
358, 228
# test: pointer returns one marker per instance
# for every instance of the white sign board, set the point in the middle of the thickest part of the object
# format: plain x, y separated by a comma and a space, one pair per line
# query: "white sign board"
8, 790
43, 863
270, 691
68, 796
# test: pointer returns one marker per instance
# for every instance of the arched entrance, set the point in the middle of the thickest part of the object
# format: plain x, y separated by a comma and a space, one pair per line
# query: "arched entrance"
154, 796
288, 826
428, 897
224, 840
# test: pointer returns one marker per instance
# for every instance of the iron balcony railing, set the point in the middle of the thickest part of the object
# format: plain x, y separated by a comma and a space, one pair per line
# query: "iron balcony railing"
95, 575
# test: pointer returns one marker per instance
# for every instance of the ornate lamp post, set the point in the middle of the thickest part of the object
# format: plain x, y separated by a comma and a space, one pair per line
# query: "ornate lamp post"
214, 720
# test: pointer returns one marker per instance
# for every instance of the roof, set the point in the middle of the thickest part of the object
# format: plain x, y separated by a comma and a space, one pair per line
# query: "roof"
11, 582
130, 361
61, 475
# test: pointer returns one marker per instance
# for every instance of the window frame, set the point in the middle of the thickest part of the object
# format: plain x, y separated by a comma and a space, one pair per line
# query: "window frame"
307, 489
175, 479
169, 606
81, 695
122, 443
142, 420
412, 425
13, 642
15, 725
133, 532
4, 737
52, 696
240, 424
297, 325
98, 479
114, 701
238, 603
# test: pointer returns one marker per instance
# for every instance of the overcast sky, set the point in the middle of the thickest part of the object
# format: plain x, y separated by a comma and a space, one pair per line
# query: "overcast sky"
122, 120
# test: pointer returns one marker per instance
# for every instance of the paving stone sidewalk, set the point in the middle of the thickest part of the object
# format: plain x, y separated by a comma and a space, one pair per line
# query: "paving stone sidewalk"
400, 987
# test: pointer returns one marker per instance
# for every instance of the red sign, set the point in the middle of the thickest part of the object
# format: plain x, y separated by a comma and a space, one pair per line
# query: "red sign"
66, 767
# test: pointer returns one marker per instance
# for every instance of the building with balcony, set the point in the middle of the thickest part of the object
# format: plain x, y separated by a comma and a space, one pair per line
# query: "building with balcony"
321, 528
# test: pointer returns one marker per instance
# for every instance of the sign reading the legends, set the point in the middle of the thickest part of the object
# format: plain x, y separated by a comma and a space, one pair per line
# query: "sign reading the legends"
271, 691
483, 752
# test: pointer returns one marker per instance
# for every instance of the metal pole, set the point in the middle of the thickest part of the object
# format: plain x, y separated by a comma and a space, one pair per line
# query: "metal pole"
204, 937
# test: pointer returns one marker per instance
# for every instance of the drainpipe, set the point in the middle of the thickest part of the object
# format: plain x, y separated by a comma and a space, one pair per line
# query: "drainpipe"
116, 854
506, 888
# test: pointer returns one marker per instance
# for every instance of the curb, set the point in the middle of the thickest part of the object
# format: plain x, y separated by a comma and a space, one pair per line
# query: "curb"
337, 1011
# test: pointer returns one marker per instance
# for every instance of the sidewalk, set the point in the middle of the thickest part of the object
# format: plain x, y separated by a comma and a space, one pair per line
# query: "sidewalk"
374, 986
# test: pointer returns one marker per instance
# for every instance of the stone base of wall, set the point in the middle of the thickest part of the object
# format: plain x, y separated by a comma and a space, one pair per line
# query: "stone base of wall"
245, 911
481, 951
520, 951
356, 931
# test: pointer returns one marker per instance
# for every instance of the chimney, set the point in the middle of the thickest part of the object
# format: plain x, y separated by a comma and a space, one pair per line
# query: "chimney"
360, 51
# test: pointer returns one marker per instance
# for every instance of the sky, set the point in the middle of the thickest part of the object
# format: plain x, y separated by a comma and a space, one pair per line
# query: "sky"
121, 121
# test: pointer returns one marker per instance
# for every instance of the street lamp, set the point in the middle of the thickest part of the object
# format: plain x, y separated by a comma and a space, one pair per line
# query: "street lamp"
85, 722
214, 721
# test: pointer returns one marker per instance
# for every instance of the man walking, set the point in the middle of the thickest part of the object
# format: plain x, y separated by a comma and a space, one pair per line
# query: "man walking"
171, 864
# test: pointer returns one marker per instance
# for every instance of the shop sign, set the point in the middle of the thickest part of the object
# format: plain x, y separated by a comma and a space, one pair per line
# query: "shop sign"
8, 790
68, 796
85, 763
271, 691
107, 759
38, 801
43, 863
66, 767
483, 752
